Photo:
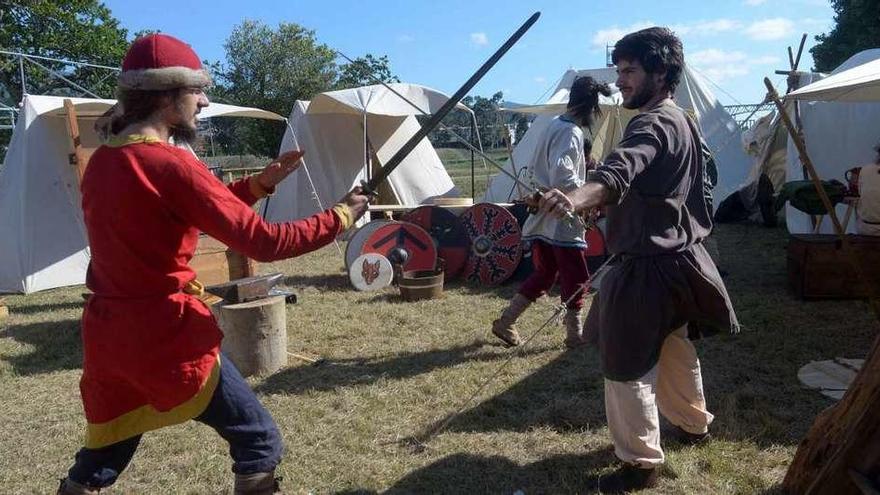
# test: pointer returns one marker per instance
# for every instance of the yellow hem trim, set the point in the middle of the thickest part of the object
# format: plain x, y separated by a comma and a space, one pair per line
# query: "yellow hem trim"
147, 418
120, 141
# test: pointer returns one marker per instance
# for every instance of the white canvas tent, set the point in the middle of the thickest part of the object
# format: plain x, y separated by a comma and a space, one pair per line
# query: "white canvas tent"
856, 80
335, 128
840, 132
43, 243
718, 128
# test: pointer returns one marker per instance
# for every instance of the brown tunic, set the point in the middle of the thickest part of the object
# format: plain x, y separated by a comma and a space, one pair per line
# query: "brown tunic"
664, 277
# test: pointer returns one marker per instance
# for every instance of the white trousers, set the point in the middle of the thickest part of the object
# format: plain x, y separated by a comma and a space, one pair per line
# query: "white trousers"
674, 386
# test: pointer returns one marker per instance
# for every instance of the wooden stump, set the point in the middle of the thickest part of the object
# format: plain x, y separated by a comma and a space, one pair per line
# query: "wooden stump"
844, 441
4, 310
255, 334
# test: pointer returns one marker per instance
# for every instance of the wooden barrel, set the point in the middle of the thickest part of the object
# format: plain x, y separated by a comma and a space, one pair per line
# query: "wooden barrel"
421, 284
255, 334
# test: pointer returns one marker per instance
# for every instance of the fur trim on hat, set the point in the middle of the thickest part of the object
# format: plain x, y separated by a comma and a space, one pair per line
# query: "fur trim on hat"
164, 78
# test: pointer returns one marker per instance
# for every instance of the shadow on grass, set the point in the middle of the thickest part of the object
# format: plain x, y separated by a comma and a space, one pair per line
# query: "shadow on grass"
332, 282
359, 371
57, 346
566, 394
467, 473
46, 308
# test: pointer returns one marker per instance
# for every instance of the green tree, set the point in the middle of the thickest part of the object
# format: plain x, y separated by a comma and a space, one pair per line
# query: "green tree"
364, 71
75, 30
269, 69
272, 68
857, 27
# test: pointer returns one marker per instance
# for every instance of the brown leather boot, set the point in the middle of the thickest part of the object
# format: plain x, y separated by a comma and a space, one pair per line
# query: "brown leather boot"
70, 487
574, 328
503, 327
257, 484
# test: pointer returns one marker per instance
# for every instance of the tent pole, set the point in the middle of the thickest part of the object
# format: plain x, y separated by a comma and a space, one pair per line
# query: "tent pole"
839, 442
473, 180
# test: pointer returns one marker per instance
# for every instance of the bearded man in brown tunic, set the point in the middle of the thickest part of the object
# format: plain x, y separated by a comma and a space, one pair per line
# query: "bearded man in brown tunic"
665, 289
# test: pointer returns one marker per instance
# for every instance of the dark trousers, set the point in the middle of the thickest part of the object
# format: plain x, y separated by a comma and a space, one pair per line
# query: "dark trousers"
569, 263
234, 412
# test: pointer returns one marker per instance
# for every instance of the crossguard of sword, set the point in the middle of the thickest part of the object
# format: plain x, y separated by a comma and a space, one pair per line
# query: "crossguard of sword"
368, 190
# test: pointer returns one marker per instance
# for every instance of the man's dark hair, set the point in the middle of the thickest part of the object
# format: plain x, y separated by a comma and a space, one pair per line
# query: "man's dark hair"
877, 158
583, 99
138, 105
657, 49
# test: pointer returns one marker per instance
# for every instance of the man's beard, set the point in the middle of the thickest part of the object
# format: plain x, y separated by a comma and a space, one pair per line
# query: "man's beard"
183, 134
647, 91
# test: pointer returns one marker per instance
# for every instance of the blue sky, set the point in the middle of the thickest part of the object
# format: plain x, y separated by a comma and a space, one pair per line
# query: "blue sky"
735, 43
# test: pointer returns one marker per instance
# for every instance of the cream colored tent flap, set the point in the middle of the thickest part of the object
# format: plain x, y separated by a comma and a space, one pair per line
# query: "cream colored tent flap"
380, 100
858, 84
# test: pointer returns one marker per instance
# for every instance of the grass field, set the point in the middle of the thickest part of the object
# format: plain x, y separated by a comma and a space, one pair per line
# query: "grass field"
396, 368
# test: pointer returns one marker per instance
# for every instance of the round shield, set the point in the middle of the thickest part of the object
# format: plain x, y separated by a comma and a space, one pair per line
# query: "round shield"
597, 252
495, 244
355, 245
405, 242
448, 233
371, 271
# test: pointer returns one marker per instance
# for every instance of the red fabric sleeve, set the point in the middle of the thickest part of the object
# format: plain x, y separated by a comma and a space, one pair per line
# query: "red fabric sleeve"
189, 189
242, 191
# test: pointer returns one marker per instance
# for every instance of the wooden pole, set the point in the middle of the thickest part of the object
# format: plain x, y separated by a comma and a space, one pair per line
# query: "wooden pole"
78, 155
512, 163
843, 439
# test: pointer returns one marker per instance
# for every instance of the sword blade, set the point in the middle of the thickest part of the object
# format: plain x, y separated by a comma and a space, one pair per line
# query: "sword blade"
435, 119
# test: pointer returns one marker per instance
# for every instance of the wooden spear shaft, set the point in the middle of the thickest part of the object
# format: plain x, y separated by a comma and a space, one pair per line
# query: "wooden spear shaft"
841, 435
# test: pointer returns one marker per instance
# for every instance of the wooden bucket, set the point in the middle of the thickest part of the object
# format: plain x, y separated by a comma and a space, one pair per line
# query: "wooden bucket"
421, 284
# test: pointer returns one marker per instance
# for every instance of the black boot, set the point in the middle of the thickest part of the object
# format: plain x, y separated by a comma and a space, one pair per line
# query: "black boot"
629, 478
257, 484
69, 487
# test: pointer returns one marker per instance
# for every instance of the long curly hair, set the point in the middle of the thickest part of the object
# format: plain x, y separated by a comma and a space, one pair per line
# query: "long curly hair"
583, 99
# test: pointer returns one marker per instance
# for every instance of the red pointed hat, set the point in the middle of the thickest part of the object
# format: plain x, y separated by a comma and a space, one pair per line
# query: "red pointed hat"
158, 61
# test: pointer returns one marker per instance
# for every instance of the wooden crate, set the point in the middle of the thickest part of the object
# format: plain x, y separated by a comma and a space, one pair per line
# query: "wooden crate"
818, 268
214, 263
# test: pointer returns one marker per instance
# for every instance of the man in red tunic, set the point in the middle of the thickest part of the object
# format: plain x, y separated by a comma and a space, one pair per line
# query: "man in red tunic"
151, 347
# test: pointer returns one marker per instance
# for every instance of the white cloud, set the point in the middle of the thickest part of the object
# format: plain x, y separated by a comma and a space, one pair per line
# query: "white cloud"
479, 39
540, 79
405, 38
610, 36
765, 60
770, 29
754, 3
710, 27
718, 64
714, 56
706, 28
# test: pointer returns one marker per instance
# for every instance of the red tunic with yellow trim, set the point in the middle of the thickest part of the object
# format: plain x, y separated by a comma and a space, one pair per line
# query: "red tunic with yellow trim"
151, 352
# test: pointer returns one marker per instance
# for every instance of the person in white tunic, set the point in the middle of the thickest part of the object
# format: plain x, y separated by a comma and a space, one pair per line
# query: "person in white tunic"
558, 246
